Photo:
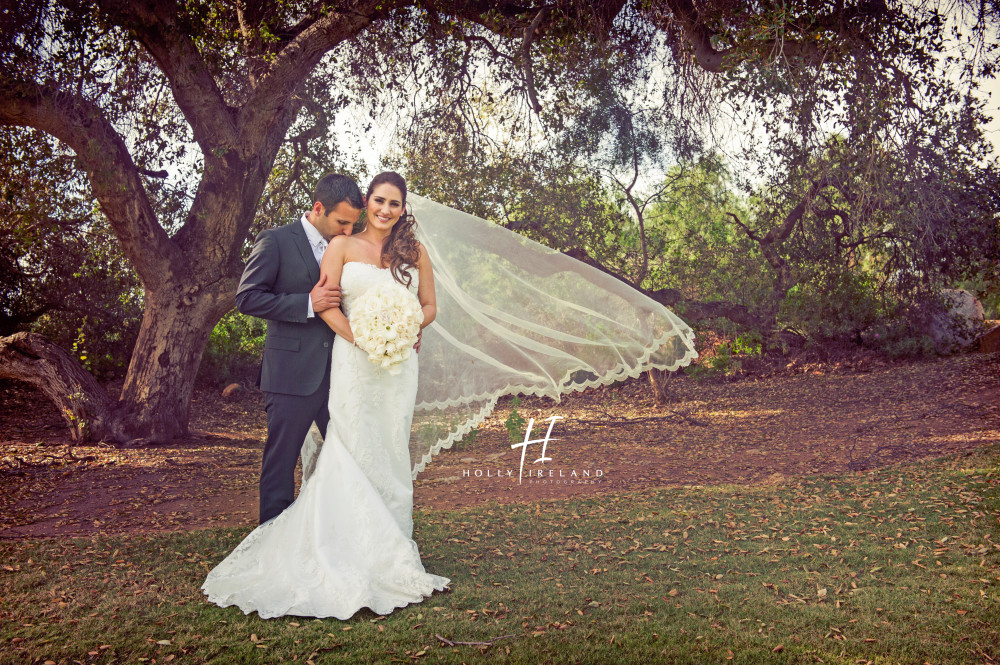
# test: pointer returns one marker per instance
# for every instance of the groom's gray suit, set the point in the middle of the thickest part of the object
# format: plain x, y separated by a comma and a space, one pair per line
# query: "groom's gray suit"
295, 370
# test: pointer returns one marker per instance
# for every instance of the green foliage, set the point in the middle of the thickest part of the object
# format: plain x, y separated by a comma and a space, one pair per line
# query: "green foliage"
858, 226
908, 198
749, 344
234, 349
830, 235
79, 348
727, 358
99, 309
515, 422
552, 202
697, 371
723, 362
466, 441
62, 272
837, 306
900, 341
694, 245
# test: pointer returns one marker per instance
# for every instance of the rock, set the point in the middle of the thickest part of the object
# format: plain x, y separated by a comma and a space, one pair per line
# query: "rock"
989, 341
231, 389
955, 321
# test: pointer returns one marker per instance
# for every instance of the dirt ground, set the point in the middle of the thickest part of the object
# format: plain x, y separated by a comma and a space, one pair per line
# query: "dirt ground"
821, 418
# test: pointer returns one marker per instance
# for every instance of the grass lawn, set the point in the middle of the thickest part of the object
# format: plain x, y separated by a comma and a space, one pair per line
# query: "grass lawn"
897, 565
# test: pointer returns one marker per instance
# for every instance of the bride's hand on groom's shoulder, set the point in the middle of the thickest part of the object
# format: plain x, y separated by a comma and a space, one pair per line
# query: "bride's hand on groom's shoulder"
324, 296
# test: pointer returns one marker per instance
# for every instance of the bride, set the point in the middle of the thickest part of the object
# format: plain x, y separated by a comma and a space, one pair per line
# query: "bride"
345, 542
502, 315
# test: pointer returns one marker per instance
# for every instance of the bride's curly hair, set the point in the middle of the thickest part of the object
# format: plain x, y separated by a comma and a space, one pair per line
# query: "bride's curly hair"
400, 250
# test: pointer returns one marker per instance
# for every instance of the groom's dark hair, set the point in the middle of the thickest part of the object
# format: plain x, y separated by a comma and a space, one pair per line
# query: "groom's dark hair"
334, 188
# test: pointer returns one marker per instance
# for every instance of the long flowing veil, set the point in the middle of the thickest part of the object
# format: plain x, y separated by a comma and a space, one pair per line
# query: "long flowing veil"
515, 317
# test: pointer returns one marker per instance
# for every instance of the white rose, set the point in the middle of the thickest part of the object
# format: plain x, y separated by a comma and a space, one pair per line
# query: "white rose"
386, 325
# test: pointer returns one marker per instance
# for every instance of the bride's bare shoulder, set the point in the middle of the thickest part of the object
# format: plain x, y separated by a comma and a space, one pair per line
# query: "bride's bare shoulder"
343, 240
339, 250
345, 246
423, 258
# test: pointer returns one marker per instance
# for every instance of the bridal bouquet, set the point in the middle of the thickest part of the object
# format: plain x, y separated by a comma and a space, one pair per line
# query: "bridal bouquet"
385, 321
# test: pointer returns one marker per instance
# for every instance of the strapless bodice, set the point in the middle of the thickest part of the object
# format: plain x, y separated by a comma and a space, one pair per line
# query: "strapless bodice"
357, 277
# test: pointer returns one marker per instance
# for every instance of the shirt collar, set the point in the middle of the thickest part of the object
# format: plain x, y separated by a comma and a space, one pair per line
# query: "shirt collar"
312, 233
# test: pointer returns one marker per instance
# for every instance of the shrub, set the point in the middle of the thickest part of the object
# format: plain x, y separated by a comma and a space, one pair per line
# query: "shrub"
234, 350
835, 308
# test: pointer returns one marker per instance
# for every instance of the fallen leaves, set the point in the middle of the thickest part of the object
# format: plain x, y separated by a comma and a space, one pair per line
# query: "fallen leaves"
787, 426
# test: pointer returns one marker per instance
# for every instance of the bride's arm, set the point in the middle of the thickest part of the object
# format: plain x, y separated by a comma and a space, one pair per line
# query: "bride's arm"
332, 266
425, 288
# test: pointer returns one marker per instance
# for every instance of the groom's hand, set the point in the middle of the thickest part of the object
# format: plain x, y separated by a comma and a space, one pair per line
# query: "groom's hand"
324, 297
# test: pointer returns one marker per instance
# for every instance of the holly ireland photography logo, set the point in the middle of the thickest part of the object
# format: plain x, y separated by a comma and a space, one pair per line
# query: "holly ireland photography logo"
539, 475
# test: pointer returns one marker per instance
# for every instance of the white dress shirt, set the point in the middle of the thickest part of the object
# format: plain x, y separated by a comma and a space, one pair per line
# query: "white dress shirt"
318, 244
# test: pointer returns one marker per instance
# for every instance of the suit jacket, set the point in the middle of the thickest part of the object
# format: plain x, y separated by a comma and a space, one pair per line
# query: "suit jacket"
275, 286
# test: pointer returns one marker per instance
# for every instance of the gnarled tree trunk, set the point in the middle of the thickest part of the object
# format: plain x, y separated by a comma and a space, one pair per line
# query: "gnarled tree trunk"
155, 402
83, 404
176, 326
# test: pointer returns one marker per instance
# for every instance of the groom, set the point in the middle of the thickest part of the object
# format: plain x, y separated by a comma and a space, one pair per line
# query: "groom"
281, 283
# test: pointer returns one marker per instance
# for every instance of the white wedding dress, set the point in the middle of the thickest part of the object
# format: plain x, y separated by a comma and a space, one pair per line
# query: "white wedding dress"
345, 543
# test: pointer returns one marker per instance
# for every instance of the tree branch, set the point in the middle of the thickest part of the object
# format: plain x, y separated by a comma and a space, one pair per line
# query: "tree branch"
529, 36
696, 310
490, 46
693, 309
781, 233
699, 35
83, 404
293, 63
156, 25
581, 254
746, 229
114, 177
162, 173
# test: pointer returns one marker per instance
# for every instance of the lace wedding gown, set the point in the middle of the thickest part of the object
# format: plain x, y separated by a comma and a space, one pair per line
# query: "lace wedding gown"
345, 543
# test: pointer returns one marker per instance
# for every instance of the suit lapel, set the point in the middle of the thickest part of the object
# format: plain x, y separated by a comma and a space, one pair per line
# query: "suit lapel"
302, 243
